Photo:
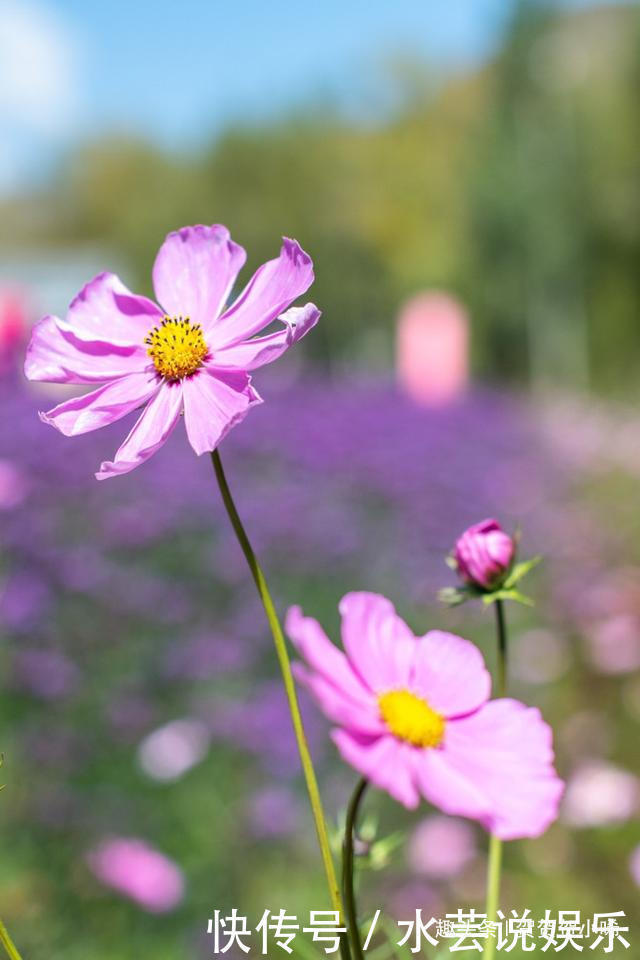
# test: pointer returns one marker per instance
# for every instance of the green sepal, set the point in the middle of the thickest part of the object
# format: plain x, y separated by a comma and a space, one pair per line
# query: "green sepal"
454, 596
519, 570
372, 852
503, 594
381, 852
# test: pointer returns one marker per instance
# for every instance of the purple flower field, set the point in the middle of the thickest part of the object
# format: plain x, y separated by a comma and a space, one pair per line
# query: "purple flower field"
130, 634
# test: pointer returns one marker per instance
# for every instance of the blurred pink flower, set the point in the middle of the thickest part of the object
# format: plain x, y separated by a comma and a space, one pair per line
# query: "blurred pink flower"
414, 895
190, 355
138, 872
586, 734
14, 485
432, 352
172, 750
483, 554
441, 846
540, 657
599, 794
13, 327
412, 716
634, 865
614, 644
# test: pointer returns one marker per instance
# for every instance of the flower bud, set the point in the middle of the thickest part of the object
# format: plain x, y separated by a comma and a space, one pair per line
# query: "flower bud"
483, 554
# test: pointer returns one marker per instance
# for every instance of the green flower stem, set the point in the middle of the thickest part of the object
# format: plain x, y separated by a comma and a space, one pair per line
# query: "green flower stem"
495, 844
348, 891
8, 944
501, 628
287, 676
493, 891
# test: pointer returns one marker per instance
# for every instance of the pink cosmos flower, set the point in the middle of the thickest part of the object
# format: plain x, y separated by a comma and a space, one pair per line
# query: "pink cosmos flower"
483, 554
413, 716
190, 355
139, 872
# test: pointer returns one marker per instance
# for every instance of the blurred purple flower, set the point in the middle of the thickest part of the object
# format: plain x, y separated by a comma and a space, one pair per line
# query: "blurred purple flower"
130, 715
206, 655
24, 600
45, 673
261, 725
272, 812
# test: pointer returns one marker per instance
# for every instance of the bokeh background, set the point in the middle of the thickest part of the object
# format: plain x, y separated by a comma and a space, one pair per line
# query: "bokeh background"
467, 179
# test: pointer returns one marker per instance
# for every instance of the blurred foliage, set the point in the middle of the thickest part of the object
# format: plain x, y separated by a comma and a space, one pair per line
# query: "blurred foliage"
516, 185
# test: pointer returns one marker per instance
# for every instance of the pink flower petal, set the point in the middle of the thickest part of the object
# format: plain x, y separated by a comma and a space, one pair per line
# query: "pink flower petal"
340, 708
274, 286
324, 657
255, 353
378, 643
149, 433
102, 406
448, 788
106, 311
194, 272
58, 356
450, 674
214, 402
385, 761
496, 766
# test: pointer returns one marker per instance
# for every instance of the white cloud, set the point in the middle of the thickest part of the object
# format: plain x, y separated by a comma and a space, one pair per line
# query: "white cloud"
38, 83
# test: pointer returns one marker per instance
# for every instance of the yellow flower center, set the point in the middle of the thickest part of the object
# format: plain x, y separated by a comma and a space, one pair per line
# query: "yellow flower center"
410, 718
177, 348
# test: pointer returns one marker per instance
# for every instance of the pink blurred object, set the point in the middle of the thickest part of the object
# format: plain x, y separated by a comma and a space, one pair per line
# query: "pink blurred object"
634, 865
432, 349
13, 327
14, 485
599, 794
137, 871
403, 901
441, 847
614, 644
170, 751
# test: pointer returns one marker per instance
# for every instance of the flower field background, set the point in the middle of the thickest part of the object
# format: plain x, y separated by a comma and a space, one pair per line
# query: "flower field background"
126, 610
143, 727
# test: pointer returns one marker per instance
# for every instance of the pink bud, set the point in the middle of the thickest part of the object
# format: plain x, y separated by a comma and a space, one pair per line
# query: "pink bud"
483, 554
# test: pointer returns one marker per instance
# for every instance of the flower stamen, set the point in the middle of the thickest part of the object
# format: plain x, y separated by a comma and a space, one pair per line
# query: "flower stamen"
410, 718
177, 347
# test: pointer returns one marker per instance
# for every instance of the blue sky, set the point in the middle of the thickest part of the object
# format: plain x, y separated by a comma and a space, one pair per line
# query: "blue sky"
177, 72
